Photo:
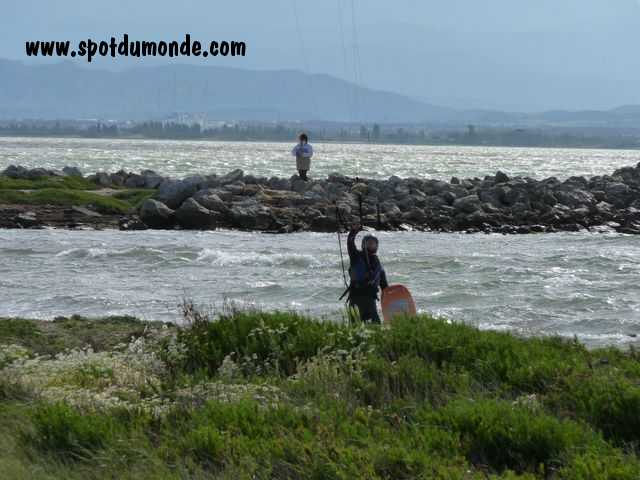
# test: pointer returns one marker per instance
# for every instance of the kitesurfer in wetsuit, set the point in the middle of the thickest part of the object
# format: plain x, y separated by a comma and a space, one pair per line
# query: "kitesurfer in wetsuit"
303, 153
367, 275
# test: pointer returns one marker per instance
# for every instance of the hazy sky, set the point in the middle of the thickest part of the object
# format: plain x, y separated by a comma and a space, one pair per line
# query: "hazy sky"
497, 54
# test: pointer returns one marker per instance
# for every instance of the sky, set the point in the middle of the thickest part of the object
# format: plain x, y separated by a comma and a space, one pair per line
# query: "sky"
516, 55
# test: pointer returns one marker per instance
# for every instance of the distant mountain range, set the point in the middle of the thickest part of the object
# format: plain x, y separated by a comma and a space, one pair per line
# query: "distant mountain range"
65, 90
68, 91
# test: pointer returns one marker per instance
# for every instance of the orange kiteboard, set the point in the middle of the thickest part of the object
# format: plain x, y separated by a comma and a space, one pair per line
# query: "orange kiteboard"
397, 300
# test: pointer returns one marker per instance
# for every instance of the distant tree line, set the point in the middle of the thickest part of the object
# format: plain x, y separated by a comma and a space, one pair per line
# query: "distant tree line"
375, 133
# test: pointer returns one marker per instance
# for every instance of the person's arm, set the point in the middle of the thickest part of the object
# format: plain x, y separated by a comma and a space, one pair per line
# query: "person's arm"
308, 151
383, 280
295, 150
351, 242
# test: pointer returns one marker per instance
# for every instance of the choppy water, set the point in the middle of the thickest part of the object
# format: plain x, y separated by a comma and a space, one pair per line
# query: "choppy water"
181, 158
572, 284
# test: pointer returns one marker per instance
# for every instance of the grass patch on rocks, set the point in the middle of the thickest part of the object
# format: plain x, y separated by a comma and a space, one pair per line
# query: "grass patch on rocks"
69, 197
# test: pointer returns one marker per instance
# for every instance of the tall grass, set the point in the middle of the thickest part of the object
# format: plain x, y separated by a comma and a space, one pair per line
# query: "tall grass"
279, 395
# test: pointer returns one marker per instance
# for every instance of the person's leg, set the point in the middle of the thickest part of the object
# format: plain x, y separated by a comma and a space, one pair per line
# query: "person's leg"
375, 318
304, 175
359, 309
363, 305
372, 311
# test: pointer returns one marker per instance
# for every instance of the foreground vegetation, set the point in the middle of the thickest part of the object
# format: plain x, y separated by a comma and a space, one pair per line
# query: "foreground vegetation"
69, 191
278, 395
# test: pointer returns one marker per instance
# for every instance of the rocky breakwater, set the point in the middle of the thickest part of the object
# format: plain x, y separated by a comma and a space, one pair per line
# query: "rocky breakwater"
495, 203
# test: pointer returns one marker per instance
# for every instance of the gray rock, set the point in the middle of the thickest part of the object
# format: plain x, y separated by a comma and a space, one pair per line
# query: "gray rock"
231, 177
174, 192
493, 196
501, 177
151, 179
236, 188
36, 173
516, 194
192, 215
415, 215
72, 172
299, 185
27, 220
210, 200
447, 197
15, 171
85, 211
337, 178
435, 187
103, 179
276, 183
573, 197
468, 204
134, 181
156, 214
619, 194
118, 179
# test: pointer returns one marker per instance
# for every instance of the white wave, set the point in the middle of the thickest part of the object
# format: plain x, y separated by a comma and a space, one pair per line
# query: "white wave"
96, 252
223, 259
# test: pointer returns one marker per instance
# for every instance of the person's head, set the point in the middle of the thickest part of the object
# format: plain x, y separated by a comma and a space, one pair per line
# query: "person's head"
370, 243
303, 138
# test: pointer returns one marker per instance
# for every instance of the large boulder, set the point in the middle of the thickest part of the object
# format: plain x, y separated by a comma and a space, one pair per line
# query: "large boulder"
298, 185
36, 173
134, 181
174, 192
118, 178
101, 178
251, 217
435, 187
194, 216
501, 177
573, 197
72, 172
236, 188
15, 171
151, 179
619, 194
156, 214
210, 199
27, 220
231, 177
276, 183
494, 196
468, 204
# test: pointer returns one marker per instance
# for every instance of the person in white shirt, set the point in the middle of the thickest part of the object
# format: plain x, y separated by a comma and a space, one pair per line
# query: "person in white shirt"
303, 153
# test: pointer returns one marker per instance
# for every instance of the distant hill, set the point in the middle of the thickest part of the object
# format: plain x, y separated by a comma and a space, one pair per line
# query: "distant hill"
67, 91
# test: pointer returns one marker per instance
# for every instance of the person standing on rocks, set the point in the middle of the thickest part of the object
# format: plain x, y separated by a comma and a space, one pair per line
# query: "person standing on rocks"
303, 153
367, 275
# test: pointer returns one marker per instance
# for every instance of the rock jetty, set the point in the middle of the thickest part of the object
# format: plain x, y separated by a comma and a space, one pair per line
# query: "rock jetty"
495, 203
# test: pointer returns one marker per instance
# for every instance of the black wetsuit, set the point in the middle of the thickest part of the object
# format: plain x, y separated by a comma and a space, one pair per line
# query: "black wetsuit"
364, 286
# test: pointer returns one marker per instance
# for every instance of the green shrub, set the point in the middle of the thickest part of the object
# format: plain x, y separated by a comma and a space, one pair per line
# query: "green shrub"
493, 358
265, 342
60, 429
607, 401
594, 466
504, 436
